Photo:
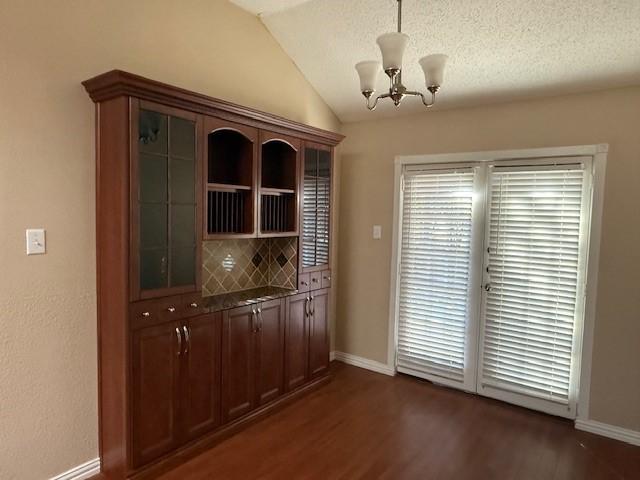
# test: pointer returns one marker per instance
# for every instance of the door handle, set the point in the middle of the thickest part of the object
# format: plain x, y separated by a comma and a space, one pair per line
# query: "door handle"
187, 337
260, 318
306, 306
253, 321
487, 287
312, 304
179, 341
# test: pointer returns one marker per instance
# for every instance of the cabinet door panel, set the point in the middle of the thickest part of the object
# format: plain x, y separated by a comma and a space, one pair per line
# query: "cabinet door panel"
319, 334
270, 351
297, 342
201, 375
238, 369
165, 200
156, 358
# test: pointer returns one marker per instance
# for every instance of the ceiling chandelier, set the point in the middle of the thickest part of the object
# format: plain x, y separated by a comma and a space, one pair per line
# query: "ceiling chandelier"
392, 46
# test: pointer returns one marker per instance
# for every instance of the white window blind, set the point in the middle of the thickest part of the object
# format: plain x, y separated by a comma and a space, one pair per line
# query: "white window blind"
434, 272
534, 251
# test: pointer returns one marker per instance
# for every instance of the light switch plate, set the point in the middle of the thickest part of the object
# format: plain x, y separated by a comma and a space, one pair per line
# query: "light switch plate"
377, 232
36, 243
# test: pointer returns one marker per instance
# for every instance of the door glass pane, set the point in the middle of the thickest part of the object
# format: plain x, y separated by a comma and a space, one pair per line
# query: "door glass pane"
310, 162
153, 178
324, 163
183, 221
322, 220
533, 268
153, 132
309, 207
153, 268
183, 182
435, 265
153, 225
183, 138
183, 261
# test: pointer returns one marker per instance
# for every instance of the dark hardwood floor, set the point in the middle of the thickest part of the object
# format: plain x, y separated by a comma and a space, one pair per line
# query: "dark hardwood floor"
369, 426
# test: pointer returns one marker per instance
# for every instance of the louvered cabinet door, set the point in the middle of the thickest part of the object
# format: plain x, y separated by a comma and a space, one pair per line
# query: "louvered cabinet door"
316, 207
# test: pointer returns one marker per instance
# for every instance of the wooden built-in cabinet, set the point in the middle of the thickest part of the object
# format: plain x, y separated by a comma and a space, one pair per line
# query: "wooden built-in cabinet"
307, 337
253, 357
174, 169
315, 219
176, 395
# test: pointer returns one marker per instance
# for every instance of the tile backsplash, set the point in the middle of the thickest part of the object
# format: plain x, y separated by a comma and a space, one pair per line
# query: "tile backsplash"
233, 265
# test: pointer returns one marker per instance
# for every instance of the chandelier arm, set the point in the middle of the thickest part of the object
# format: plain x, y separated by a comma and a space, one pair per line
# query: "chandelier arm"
375, 101
424, 101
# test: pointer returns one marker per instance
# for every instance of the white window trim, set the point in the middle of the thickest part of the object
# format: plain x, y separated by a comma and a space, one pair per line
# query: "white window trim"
599, 154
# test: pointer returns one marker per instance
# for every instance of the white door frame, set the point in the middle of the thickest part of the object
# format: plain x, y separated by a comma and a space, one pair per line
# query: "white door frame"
599, 154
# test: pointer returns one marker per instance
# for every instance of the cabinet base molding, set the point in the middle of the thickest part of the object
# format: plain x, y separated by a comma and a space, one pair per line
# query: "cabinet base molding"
609, 431
193, 449
81, 472
362, 362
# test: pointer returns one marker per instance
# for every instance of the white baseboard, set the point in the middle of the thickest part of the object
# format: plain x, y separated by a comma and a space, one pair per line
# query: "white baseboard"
610, 431
362, 363
81, 472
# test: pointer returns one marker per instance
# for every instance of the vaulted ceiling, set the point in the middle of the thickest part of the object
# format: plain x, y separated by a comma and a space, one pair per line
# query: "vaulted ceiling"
499, 50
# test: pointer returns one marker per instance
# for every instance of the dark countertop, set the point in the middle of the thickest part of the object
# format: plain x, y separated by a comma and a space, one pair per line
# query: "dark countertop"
245, 297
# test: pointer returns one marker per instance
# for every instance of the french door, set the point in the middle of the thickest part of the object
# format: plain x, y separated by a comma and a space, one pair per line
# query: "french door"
491, 278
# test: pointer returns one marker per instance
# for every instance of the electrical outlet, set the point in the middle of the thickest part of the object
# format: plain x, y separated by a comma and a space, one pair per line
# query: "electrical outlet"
377, 232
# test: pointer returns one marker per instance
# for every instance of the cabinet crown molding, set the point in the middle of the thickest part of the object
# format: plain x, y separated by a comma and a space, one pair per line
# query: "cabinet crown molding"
116, 83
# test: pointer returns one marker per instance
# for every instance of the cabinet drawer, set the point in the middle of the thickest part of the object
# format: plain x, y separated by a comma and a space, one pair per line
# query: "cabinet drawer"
156, 311
193, 304
326, 279
303, 282
316, 281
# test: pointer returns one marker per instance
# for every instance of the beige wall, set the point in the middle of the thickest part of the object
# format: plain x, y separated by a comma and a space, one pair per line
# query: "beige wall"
367, 198
48, 410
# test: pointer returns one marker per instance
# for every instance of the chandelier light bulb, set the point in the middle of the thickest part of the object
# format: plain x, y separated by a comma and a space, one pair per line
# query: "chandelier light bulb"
392, 46
368, 72
433, 68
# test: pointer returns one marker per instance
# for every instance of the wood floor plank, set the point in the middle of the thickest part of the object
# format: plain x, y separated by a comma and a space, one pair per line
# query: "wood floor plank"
365, 425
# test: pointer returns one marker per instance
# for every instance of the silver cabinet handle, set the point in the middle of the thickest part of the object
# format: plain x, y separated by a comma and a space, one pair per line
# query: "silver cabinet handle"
187, 337
260, 317
171, 309
179, 341
306, 284
313, 303
146, 314
306, 306
193, 305
327, 278
314, 280
487, 287
253, 321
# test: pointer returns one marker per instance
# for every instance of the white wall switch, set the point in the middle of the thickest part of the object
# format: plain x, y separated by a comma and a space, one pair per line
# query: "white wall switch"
36, 244
377, 232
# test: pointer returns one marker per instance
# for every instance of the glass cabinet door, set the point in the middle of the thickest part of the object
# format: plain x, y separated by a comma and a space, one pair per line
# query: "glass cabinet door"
316, 201
166, 201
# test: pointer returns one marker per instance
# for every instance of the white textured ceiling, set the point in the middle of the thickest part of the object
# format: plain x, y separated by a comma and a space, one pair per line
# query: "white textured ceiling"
499, 50
265, 7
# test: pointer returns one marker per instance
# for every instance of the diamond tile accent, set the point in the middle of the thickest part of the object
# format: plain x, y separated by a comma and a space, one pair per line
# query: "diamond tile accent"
234, 265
